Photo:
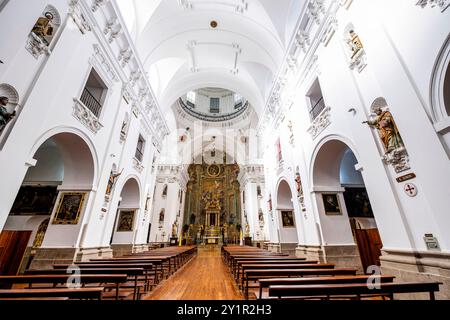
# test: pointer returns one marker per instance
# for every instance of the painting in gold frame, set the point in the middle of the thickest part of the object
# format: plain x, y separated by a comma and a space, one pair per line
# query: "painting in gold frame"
126, 221
69, 208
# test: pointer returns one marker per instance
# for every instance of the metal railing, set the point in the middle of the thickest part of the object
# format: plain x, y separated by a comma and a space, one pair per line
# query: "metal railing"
317, 109
213, 118
139, 155
91, 102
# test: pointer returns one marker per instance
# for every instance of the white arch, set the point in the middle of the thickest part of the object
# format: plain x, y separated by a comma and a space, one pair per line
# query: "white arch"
68, 130
439, 110
321, 144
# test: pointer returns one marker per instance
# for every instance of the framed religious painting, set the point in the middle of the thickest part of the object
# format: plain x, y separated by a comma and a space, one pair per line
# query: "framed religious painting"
331, 204
287, 218
126, 221
35, 200
69, 208
358, 203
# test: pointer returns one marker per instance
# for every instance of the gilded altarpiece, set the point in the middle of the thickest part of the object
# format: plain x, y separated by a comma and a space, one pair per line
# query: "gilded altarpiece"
213, 206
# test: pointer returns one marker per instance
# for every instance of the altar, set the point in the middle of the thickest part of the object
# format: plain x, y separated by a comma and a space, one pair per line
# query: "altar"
212, 211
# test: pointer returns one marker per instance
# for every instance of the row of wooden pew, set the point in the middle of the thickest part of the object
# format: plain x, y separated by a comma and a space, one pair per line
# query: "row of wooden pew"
120, 278
266, 275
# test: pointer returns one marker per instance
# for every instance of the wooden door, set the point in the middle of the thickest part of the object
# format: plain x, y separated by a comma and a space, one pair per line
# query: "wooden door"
369, 245
12, 248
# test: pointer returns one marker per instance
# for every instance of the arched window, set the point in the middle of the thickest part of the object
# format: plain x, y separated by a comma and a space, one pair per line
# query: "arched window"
44, 31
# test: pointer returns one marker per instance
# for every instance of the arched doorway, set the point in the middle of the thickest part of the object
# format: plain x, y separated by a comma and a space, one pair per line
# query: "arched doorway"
286, 216
63, 174
122, 238
349, 230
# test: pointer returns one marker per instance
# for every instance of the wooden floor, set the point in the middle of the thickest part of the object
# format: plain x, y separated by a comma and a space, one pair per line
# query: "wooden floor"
204, 278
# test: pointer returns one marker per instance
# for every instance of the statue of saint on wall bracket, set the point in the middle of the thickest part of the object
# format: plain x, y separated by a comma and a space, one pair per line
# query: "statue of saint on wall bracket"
5, 116
394, 147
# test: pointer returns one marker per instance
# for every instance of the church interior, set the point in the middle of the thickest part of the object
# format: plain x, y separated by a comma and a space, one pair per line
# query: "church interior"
224, 150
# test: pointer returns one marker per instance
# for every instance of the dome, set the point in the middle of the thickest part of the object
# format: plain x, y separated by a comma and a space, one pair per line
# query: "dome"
214, 104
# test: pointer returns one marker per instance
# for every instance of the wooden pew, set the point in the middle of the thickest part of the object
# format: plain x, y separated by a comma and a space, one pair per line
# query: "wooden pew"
239, 263
150, 266
62, 279
266, 283
141, 262
257, 274
83, 293
133, 273
352, 289
232, 258
315, 266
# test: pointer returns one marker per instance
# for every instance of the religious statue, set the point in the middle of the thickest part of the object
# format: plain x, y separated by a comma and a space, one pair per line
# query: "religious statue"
112, 181
147, 202
270, 203
124, 129
354, 43
298, 181
387, 129
5, 116
261, 216
162, 216
174, 230
44, 28
247, 230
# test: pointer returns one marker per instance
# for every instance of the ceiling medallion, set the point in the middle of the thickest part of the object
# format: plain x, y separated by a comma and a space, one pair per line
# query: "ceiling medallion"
214, 24
214, 171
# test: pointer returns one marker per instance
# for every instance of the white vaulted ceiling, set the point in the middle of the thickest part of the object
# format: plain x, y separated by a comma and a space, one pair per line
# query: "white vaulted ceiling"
182, 52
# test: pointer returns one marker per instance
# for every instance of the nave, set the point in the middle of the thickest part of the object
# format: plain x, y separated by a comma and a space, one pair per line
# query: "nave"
139, 136
206, 277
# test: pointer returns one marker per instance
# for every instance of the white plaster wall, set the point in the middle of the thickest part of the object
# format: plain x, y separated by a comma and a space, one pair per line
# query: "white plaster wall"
47, 87
399, 69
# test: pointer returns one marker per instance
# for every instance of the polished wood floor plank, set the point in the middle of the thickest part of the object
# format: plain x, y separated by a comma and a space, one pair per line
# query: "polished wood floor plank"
204, 278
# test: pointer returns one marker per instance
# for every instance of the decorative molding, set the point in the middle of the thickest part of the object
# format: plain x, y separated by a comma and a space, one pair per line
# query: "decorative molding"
36, 46
137, 165
442, 4
97, 4
86, 117
346, 3
114, 29
331, 28
320, 123
240, 6
106, 66
79, 18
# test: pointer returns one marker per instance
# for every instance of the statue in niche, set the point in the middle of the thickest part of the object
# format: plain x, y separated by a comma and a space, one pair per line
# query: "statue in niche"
394, 147
43, 28
247, 230
165, 190
261, 216
174, 230
147, 202
112, 181
162, 216
298, 181
387, 128
354, 43
270, 203
5, 116
192, 219
124, 129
